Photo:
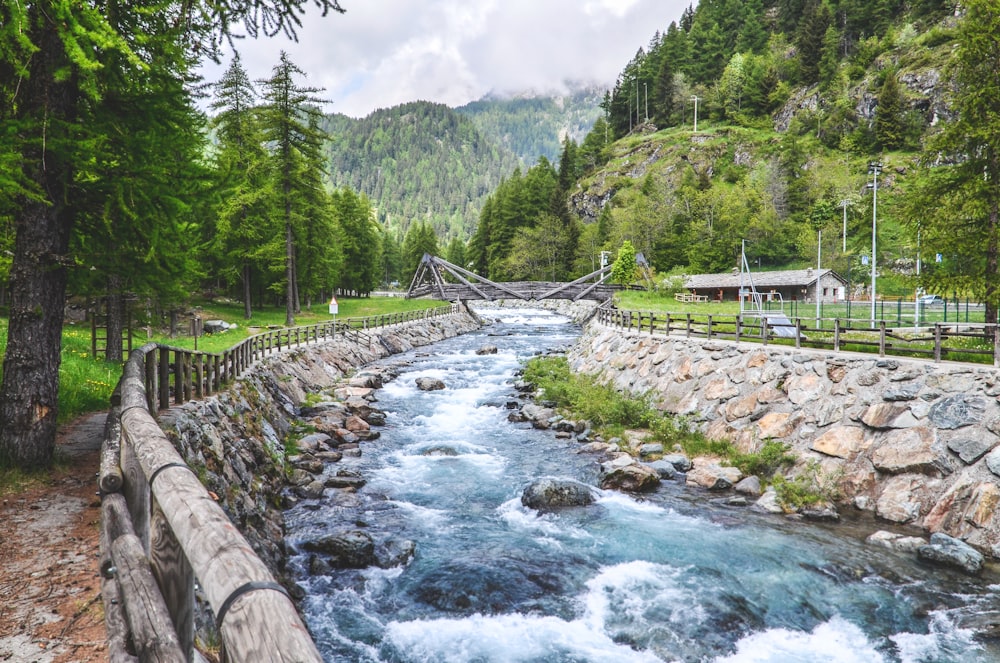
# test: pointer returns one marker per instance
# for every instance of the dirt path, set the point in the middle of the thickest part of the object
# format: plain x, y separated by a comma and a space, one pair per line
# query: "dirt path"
50, 601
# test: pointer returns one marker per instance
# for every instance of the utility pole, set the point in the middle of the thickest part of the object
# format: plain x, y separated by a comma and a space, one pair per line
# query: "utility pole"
819, 259
844, 203
645, 95
695, 98
874, 168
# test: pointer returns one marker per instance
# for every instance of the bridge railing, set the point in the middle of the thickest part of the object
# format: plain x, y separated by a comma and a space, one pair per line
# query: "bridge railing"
969, 342
161, 531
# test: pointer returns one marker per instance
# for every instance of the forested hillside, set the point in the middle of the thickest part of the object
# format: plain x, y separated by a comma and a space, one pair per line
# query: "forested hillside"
427, 162
805, 109
535, 126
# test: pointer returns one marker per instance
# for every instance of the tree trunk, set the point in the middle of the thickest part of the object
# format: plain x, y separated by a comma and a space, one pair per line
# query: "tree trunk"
115, 319
247, 311
29, 393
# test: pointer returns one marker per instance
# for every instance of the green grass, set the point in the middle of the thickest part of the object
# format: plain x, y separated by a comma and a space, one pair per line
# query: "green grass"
86, 382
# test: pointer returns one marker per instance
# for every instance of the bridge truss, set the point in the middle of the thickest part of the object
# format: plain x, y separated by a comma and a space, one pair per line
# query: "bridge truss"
430, 281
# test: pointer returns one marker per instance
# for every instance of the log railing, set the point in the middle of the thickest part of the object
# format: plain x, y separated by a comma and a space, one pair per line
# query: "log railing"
161, 531
967, 342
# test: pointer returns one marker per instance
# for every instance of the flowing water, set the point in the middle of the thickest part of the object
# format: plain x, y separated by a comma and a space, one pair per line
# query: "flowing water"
669, 577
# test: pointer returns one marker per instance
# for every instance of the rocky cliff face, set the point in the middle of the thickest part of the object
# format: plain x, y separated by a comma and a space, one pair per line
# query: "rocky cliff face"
235, 440
914, 443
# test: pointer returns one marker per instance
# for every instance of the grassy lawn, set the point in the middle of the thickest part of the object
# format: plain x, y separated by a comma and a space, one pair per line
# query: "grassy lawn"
86, 382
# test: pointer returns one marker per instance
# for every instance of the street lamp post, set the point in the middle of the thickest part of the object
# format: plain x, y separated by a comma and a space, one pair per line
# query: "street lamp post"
874, 168
844, 203
695, 99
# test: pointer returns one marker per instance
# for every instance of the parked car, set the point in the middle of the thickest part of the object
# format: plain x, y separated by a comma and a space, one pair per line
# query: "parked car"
930, 300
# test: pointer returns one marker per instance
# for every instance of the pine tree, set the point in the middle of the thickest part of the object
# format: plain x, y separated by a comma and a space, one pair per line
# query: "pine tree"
889, 121
243, 218
290, 123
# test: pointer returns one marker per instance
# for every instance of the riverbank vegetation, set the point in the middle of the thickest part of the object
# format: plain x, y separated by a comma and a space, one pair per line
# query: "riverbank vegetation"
613, 414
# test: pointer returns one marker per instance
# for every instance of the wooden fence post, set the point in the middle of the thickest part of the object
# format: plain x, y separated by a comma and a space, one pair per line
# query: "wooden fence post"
836, 334
937, 341
881, 338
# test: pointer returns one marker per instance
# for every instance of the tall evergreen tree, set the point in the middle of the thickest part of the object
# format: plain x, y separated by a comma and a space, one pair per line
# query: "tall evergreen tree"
889, 121
243, 215
289, 122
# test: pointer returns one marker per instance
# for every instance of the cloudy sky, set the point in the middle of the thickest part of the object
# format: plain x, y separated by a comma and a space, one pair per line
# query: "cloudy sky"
386, 52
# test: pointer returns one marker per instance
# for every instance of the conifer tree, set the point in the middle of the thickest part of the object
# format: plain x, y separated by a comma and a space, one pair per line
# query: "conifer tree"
290, 123
889, 120
243, 217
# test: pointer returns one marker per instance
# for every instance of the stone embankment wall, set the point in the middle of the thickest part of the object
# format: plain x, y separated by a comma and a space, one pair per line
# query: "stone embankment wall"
235, 440
913, 442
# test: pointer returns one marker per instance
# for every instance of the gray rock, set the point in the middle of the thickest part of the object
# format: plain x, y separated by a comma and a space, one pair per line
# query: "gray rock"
679, 461
971, 449
993, 462
550, 493
651, 449
713, 476
310, 491
768, 502
947, 551
748, 486
663, 468
633, 478
353, 549
906, 392
957, 411
344, 479
894, 541
392, 553
429, 384
487, 350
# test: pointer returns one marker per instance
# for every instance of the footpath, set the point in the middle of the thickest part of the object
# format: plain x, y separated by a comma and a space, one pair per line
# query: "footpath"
50, 591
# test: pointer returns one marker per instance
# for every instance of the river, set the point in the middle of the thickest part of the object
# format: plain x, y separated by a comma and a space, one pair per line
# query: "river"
669, 577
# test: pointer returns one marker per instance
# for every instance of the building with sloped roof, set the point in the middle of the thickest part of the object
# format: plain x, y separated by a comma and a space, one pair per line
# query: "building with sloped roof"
786, 285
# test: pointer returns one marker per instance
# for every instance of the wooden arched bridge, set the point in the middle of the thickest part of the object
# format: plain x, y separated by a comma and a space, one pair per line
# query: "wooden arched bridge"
430, 280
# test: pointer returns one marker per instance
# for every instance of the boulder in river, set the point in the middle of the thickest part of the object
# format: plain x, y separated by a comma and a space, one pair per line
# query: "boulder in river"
948, 551
550, 493
352, 549
634, 478
487, 350
429, 384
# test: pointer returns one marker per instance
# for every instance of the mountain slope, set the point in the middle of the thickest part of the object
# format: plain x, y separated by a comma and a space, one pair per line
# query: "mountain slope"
417, 161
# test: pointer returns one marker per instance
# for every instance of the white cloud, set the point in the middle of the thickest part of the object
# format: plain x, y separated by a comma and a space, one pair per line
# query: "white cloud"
385, 52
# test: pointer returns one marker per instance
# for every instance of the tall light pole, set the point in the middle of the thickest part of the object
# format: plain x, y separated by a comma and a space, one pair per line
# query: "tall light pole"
844, 203
874, 168
819, 279
695, 98
645, 98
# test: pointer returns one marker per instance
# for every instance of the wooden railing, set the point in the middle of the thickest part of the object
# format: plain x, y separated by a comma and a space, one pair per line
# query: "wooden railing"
940, 342
161, 531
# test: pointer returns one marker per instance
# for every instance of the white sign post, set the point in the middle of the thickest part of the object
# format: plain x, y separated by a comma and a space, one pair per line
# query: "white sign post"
334, 308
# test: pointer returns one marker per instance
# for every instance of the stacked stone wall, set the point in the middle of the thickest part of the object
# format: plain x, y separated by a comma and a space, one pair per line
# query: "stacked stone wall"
913, 442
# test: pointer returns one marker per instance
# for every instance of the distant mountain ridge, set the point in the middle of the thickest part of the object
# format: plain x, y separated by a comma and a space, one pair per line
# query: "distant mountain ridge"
424, 161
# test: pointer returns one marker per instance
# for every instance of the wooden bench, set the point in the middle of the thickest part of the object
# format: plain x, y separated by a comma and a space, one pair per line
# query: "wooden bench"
688, 297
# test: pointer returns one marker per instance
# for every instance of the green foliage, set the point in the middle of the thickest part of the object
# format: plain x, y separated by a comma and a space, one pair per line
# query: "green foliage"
807, 488
772, 457
420, 161
624, 269
600, 404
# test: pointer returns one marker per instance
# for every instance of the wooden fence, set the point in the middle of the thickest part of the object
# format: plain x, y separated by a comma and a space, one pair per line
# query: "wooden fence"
941, 341
161, 531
